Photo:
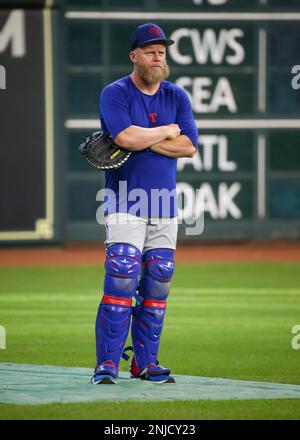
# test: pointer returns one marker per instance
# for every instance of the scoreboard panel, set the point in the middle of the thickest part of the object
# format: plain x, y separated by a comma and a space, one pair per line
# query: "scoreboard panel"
234, 60
28, 194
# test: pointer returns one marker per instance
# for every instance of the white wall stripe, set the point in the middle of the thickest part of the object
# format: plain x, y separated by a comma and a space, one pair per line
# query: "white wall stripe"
262, 66
82, 123
192, 16
247, 123
206, 123
261, 176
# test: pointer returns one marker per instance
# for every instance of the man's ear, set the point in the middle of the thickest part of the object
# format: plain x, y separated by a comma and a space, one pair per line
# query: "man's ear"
132, 56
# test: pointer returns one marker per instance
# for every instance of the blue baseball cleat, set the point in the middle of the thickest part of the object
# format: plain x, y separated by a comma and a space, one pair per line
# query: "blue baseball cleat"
105, 373
153, 373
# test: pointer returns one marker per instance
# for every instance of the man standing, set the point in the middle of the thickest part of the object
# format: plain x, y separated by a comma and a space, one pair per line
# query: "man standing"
152, 118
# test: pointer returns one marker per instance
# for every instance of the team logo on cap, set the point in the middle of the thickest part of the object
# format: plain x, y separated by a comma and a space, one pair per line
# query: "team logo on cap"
155, 31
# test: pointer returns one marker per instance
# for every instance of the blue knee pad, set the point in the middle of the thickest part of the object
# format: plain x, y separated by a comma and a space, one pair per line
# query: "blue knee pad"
123, 263
159, 268
148, 319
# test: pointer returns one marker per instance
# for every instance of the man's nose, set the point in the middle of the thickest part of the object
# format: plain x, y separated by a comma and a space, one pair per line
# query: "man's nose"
156, 57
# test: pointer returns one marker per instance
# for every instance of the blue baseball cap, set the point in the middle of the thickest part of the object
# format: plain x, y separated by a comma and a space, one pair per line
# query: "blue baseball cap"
149, 33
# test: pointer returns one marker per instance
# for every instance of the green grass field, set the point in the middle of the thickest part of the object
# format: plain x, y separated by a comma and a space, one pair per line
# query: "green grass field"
223, 320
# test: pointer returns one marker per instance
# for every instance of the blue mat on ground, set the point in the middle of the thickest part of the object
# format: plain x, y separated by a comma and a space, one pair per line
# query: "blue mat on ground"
41, 384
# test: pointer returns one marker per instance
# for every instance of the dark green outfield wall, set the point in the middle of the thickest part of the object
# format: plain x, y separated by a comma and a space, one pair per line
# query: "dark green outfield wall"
235, 61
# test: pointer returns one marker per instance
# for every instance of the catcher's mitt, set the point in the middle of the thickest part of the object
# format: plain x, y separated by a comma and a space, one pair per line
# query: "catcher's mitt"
99, 149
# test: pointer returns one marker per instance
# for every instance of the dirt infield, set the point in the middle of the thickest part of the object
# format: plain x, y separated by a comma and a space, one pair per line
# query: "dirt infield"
79, 254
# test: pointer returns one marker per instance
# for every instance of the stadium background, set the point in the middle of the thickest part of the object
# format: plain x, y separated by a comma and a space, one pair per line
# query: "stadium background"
236, 67
235, 60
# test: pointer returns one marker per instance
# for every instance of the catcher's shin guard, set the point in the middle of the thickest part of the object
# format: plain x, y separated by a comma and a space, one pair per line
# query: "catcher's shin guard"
148, 318
123, 263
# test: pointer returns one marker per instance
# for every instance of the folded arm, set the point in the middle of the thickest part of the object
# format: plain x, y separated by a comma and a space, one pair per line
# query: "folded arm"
136, 138
182, 146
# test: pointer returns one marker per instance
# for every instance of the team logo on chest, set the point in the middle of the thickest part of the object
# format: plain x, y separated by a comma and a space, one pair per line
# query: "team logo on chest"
153, 117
